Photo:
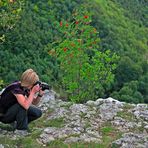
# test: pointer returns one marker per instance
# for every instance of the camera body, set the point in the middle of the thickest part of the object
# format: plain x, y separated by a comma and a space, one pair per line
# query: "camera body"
43, 85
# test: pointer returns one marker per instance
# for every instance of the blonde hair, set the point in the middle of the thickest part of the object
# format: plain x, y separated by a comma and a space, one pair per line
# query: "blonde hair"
29, 77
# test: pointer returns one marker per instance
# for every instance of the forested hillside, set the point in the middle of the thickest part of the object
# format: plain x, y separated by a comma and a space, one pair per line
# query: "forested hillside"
115, 64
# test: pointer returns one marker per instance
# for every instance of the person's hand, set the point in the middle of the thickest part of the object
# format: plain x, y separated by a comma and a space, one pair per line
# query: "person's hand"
35, 89
41, 92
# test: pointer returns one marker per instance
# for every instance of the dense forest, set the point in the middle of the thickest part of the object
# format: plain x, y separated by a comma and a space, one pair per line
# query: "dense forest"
111, 61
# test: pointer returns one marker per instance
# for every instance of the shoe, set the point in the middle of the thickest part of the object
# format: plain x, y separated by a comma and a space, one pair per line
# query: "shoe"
21, 132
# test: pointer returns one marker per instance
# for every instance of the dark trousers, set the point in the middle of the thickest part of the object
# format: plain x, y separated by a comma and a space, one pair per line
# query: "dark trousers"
21, 116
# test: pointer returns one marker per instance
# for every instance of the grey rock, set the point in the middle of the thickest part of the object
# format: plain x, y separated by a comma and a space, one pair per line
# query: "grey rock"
141, 111
1, 146
98, 102
90, 103
59, 113
79, 108
72, 140
45, 138
131, 140
87, 138
123, 124
109, 110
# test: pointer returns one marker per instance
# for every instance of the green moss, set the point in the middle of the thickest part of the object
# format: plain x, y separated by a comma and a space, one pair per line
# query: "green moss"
85, 145
109, 134
127, 106
125, 114
25, 142
47, 123
28, 142
106, 130
66, 106
87, 125
57, 144
54, 123
115, 146
82, 115
7, 127
7, 141
139, 129
60, 144
35, 134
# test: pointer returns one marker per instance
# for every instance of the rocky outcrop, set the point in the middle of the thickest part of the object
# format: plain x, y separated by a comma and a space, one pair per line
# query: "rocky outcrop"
93, 120
83, 122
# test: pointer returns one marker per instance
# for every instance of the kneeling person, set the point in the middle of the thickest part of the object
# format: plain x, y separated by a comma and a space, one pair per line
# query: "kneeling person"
17, 99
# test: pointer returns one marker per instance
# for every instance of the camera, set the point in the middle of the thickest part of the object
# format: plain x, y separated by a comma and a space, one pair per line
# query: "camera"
43, 85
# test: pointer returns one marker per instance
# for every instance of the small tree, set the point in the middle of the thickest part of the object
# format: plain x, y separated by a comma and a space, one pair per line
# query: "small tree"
83, 67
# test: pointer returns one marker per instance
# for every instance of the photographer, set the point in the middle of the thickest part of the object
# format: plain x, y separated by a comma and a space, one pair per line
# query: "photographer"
17, 99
